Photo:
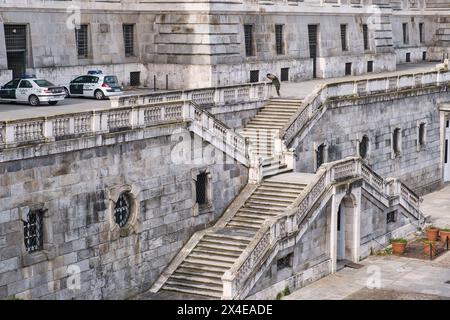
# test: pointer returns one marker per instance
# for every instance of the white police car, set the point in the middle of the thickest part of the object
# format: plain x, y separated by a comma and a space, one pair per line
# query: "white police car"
94, 84
32, 90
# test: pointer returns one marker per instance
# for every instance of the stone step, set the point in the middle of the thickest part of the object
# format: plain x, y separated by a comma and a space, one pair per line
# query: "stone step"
225, 241
275, 194
285, 190
263, 207
243, 225
267, 119
257, 126
255, 215
203, 273
193, 291
216, 251
275, 171
270, 204
196, 278
279, 198
202, 267
213, 263
210, 257
202, 290
254, 220
284, 184
260, 211
222, 248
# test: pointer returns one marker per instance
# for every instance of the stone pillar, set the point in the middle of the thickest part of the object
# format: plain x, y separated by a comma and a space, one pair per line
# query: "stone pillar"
356, 225
333, 231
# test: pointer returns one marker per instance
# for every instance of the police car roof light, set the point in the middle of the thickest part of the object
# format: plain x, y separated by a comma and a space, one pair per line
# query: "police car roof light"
95, 72
28, 76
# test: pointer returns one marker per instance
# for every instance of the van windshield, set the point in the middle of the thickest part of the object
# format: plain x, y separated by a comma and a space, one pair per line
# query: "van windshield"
111, 80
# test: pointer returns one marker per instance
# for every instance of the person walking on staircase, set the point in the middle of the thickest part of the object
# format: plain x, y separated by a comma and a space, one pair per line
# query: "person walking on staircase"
275, 82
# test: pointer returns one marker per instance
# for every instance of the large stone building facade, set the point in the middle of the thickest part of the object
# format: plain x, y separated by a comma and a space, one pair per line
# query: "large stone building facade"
188, 45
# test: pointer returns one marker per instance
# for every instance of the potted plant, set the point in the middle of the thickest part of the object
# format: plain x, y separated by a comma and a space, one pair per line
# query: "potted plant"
444, 233
427, 245
398, 245
432, 233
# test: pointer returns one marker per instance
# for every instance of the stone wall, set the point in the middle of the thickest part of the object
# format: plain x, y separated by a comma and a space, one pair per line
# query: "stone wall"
342, 127
76, 189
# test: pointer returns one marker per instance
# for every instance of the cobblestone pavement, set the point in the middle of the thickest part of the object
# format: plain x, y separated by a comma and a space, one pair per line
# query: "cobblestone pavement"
399, 277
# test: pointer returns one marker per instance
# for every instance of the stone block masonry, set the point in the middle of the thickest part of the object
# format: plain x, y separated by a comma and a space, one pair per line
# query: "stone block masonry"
76, 188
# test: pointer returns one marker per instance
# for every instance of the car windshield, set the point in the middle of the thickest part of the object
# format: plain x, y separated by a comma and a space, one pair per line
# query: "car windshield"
44, 83
111, 80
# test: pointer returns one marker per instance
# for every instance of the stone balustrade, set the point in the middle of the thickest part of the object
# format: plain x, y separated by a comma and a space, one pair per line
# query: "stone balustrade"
237, 277
359, 88
205, 97
20, 133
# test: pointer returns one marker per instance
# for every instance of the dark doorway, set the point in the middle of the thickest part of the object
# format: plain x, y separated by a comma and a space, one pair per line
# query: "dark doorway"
348, 69
313, 37
284, 74
320, 156
16, 48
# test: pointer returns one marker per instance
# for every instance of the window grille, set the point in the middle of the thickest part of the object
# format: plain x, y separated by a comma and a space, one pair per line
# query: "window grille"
122, 209
391, 217
248, 32
33, 231
201, 186
366, 36
15, 37
405, 33
285, 262
81, 35
279, 38
254, 76
344, 37
284, 74
128, 39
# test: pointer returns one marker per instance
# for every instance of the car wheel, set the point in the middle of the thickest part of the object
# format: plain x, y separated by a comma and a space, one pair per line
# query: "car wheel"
34, 100
67, 93
52, 103
98, 94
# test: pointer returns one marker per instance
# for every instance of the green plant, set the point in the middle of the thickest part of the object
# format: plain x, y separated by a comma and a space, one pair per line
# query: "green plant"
432, 227
13, 298
429, 242
286, 291
398, 240
279, 296
446, 229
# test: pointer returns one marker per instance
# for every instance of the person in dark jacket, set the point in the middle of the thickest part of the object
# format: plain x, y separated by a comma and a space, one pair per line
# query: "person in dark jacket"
275, 82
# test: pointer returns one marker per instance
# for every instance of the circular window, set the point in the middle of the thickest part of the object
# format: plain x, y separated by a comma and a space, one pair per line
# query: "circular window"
122, 210
364, 147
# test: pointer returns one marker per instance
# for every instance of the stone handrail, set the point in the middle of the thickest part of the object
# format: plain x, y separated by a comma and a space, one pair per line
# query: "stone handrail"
235, 278
47, 129
358, 88
218, 96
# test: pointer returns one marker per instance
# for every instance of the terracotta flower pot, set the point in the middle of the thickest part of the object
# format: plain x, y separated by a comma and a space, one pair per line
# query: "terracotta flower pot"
426, 248
432, 234
444, 235
398, 247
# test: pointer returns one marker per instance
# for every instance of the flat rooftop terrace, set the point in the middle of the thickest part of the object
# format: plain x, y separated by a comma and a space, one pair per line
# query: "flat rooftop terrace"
291, 90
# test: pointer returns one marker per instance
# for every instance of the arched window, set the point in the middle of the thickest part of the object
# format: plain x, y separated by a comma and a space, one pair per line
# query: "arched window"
364, 147
122, 209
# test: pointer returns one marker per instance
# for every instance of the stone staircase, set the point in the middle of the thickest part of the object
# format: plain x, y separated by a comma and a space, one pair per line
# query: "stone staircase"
262, 133
200, 271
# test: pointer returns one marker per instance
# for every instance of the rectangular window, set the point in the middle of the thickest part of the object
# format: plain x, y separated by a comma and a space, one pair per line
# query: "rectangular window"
201, 190
33, 231
366, 36
285, 262
284, 74
369, 66
344, 37
421, 32
128, 39
348, 69
408, 57
279, 38
254, 76
396, 141
446, 151
135, 78
422, 134
82, 40
390, 217
424, 56
405, 34
248, 33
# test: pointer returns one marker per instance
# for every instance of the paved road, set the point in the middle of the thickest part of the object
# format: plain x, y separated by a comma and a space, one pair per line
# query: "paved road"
11, 111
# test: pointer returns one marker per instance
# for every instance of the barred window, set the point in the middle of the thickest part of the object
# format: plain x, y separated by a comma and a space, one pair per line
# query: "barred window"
33, 231
285, 262
279, 38
81, 35
248, 33
201, 188
405, 33
390, 217
421, 32
366, 36
128, 39
122, 209
344, 37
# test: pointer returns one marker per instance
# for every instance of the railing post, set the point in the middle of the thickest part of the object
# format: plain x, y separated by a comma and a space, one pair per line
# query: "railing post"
47, 129
9, 133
